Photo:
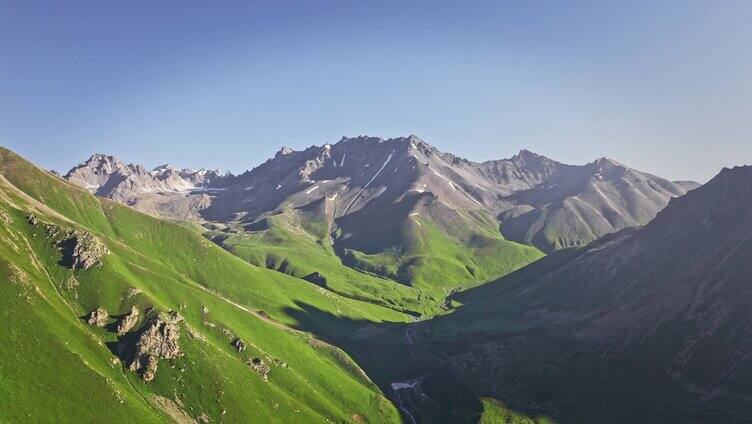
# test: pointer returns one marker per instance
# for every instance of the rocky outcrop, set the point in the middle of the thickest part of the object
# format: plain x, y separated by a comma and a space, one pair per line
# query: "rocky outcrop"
128, 321
98, 317
260, 367
71, 283
158, 340
80, 249
86, 250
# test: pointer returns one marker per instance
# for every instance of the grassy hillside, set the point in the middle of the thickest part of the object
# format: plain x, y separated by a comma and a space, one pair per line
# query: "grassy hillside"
158, 266
291, 249
414, 276
434, 262
495, 412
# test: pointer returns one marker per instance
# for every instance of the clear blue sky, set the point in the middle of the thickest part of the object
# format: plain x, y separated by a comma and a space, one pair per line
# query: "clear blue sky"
663, 86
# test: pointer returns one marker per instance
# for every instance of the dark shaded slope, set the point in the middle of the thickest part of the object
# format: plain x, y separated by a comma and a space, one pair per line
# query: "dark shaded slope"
642, 325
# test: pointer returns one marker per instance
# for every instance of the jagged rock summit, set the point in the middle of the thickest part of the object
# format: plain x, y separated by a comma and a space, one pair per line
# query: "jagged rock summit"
107, 176
165, 191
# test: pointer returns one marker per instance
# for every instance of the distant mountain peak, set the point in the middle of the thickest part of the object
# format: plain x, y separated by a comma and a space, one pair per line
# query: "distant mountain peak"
526, 152
284, 151
107, 176
525, 155
101, 158
162, 169
412, 138
604, 161
99, 164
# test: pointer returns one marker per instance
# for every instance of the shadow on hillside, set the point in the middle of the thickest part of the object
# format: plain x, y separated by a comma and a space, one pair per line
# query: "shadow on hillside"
402, 353
125, 346
532, 371
66, 248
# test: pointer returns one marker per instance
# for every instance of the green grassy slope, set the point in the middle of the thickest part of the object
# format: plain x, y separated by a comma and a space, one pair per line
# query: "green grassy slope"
495, 412
293, 250
159, 266
414, 276
438, 259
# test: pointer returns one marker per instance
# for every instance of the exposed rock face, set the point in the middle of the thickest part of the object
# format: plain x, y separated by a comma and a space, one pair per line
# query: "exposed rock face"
81, 249
98, 317
128, 321
176, 193
96, 171
261, 368
108, 176
86, 250
158, 340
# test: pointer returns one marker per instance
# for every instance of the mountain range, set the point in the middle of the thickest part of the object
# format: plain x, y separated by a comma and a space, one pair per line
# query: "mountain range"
397, 209
535, 200
374, 280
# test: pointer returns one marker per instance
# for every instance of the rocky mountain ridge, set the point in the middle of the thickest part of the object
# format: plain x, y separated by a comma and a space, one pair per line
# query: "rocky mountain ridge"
107, 176
165, 191
535, 200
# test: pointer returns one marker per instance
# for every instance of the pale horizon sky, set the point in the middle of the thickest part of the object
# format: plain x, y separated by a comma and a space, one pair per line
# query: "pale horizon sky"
663, 87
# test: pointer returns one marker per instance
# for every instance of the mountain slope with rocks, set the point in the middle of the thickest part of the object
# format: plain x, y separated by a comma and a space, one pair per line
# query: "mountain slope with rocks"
148, 329
577, 204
